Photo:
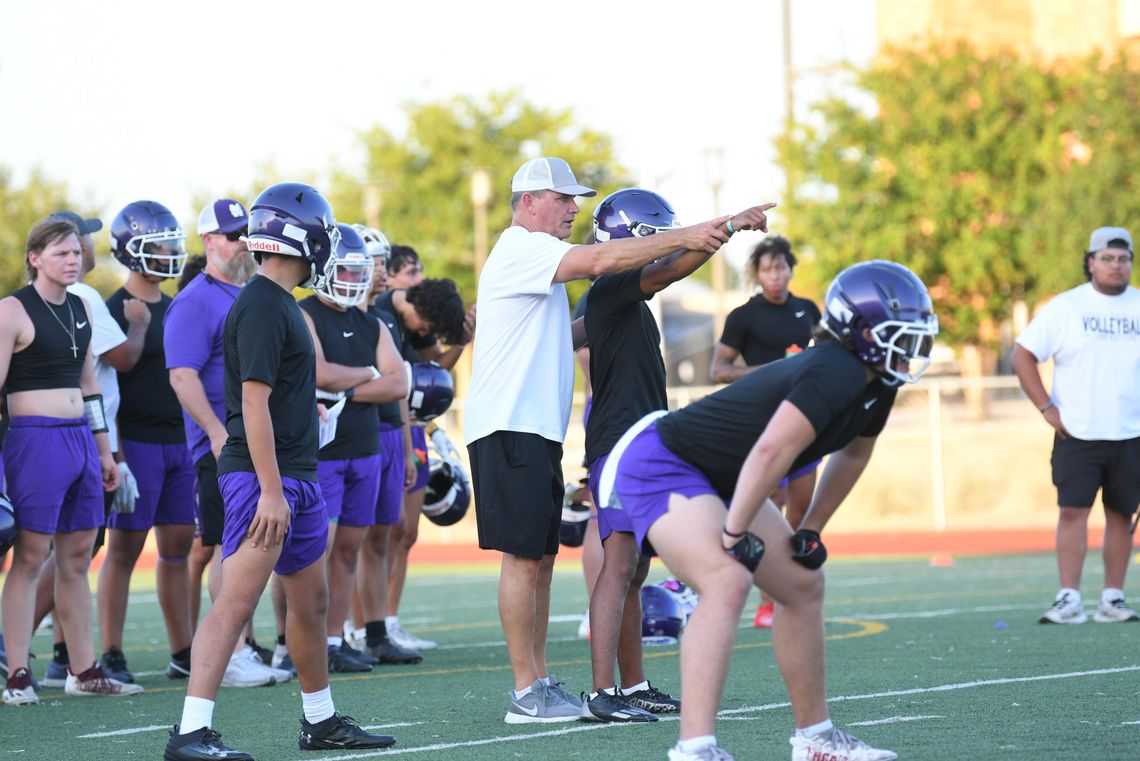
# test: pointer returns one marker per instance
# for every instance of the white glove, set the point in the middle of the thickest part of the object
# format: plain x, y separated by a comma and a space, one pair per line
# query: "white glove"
127, 493
329, 398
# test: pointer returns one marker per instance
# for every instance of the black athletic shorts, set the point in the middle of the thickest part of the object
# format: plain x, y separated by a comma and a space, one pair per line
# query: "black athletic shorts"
518, 493
211, 509
1082, 467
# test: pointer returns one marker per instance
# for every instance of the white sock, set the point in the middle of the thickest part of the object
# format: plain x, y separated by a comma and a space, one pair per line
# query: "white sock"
696, 743
1075, 594
318, 705
637, 687
1109, 594
815, 729
334, 641
523, 692
197, 713
391, 622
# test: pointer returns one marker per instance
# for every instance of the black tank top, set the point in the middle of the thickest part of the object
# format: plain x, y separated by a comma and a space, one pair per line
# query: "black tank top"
48, 361
348, 338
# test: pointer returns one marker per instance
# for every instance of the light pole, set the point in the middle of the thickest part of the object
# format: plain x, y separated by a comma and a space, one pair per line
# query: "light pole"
714, 175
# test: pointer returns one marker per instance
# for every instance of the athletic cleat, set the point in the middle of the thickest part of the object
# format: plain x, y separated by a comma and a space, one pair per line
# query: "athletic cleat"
200, 745
764, 615
56, 674
363, 657
281, 675
178, 668
114, 663
1066, 610
836, 745
341, 662
389, 652
541, 706
602, 706
244, 670
397, 634
94, 682
19, 690
704, 753
653, 700
1114, 611
339, 731
557, 687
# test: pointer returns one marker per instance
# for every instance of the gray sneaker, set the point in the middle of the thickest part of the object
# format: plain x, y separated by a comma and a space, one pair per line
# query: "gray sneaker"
541, 706
553, 684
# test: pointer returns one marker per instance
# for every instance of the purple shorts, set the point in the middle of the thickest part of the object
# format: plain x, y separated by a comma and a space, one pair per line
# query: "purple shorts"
350, 489
167, 483
647, 475
308, 530
809, 468
54, 478
609, 519
419, 446
390, 497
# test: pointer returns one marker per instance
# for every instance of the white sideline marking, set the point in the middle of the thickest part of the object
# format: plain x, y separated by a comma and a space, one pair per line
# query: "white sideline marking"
119, 732
729, 714
397, 724
891, 720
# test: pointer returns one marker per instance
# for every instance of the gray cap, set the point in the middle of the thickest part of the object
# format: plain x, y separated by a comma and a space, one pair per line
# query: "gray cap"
1103, 236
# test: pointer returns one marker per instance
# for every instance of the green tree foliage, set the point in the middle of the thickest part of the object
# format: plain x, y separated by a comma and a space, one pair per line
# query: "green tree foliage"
984, 175
422, 179
20, 208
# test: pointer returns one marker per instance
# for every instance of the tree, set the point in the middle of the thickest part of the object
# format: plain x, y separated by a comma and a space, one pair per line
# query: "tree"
983, 175
423, 178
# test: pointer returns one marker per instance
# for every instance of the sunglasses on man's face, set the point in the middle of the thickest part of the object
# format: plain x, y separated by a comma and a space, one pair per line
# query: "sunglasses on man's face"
233, 237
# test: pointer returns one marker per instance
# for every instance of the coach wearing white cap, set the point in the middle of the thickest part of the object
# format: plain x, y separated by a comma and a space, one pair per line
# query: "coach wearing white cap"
518, 406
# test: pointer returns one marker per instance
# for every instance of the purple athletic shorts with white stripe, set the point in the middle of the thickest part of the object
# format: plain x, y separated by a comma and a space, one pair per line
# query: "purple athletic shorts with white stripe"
54, 478
308, 530
390, 497
609, 519
167, 482
647, 474
350, 489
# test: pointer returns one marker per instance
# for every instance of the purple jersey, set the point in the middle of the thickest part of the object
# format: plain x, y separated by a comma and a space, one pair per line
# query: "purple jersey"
192, 337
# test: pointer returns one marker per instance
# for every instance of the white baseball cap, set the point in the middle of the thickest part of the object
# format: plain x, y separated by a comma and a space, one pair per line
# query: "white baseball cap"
1103, 236
222, 216
548, 174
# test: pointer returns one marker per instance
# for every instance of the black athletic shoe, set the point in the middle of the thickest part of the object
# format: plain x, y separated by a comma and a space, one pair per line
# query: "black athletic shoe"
114, 664
339, 731
602, 706
364, 657
653, 700
264, 654
202, 745
178, 668
343, 663
389, 652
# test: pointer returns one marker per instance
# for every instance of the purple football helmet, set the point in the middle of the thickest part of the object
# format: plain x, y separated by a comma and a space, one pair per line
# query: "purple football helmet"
8, 529
890, 302
632, 213
447, 493
348, 274
146, 238
294, 219
662, 618
431, 390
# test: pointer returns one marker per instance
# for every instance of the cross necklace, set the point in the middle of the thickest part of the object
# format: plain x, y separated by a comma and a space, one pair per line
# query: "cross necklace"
70, 332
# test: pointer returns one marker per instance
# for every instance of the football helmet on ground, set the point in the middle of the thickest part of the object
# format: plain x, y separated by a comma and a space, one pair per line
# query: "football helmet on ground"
662, 618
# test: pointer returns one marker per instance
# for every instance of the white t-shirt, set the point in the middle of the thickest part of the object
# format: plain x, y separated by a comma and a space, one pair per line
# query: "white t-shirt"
1094, 340
522, 375
105, 335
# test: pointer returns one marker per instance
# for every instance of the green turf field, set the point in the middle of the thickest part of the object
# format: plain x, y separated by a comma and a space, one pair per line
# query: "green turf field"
938, 663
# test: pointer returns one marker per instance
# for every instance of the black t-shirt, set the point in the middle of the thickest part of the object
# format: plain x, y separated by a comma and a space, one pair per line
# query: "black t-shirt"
382, 310
266, 340
348, 338
763, 332
827, 383
626, 369
148, 408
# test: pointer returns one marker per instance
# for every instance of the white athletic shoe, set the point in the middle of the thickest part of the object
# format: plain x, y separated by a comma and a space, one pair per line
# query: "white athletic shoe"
1114, 611
281, 675
246, 671
705, 753
836, 745
397, 634
1066, 610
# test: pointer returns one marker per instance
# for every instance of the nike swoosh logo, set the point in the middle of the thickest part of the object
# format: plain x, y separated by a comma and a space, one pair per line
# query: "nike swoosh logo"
349, 334
81, 325
869, 403
529, 711
801, 313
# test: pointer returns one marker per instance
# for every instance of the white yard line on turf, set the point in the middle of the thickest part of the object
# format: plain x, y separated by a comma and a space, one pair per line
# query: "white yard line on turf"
891, 720
120, 732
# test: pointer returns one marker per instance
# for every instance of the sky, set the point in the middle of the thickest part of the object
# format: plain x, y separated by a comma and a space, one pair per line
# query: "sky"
164, 100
